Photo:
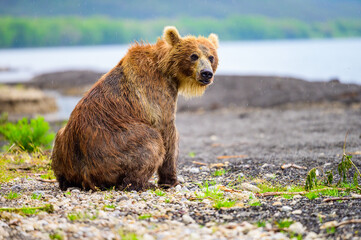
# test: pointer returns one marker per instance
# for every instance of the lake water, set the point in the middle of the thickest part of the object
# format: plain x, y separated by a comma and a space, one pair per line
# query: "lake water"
309, 59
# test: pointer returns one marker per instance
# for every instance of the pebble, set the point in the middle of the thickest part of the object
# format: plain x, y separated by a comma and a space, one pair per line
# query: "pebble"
180, 179
250, 187
270, 176
297, 227
122, 198
286, 208
187, 219
194, 170
297, 212
16, 188
75, 190
312, 236
206, 169
277, 204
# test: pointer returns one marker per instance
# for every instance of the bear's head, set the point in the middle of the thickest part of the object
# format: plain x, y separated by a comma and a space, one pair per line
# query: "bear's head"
192, 61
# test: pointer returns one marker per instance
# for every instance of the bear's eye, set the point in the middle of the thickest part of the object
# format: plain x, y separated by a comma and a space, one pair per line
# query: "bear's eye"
194, 57
211, 59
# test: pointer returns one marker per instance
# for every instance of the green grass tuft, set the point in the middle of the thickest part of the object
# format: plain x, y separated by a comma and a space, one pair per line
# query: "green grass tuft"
82, 216
223, 203
27, 136
219, 172
285, 223
144, 216
12, 195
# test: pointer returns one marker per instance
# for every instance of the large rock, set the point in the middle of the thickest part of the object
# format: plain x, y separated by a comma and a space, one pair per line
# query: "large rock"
19, 100
74, 83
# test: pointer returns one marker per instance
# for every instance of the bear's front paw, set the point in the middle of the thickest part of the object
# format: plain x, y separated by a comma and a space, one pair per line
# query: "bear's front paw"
167, 184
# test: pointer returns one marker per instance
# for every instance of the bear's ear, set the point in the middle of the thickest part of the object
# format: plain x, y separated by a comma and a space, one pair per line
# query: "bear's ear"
214, 39
171, 35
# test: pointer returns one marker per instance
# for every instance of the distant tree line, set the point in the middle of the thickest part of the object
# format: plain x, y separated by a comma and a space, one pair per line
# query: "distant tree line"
18, 32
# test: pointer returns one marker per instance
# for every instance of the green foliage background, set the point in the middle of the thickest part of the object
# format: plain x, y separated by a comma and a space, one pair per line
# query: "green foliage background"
28, 135
67, 31
25, 23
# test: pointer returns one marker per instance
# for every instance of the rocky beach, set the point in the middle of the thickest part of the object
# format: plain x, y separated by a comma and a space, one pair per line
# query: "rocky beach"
246, 148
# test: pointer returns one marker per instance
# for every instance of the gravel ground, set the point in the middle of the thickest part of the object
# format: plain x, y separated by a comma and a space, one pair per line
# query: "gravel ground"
263, 140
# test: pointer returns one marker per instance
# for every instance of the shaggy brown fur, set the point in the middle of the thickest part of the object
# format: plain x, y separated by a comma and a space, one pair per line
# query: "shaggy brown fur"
123, 130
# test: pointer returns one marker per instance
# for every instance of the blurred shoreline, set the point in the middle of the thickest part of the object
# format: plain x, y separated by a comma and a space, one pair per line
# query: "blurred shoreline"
227, 92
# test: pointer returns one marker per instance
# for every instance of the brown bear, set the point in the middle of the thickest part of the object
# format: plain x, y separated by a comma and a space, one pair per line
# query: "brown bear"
123, 130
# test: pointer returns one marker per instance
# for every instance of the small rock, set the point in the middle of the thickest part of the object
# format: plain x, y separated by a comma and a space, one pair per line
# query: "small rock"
194, 170
206, 169
297, 227
147, 237
187, 219
246, 227
270, 176
266, 165
311, 236
214, 138
286, 208
122, 198
180, 179
297, 212
178, 188
144, 194
16, 188
250, 187
75, 190
277, 204
297, 196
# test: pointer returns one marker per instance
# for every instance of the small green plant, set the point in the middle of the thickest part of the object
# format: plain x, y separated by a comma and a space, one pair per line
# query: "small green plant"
223, 203
312, 195
296, 236
48, 175
49, 208
128, 235
81, 216
56, 236
36, 196
27, 136
331, 230
311, 179
287, 196
12, 195
320, 219
192, 154
261, 224
167, 200
219, 172
209, 192
68, 193
255, 203
159, 192
343, 168
108, 196
285, 223
110, 206
144, 216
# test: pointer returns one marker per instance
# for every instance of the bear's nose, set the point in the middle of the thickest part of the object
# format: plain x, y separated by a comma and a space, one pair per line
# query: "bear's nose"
206, 74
